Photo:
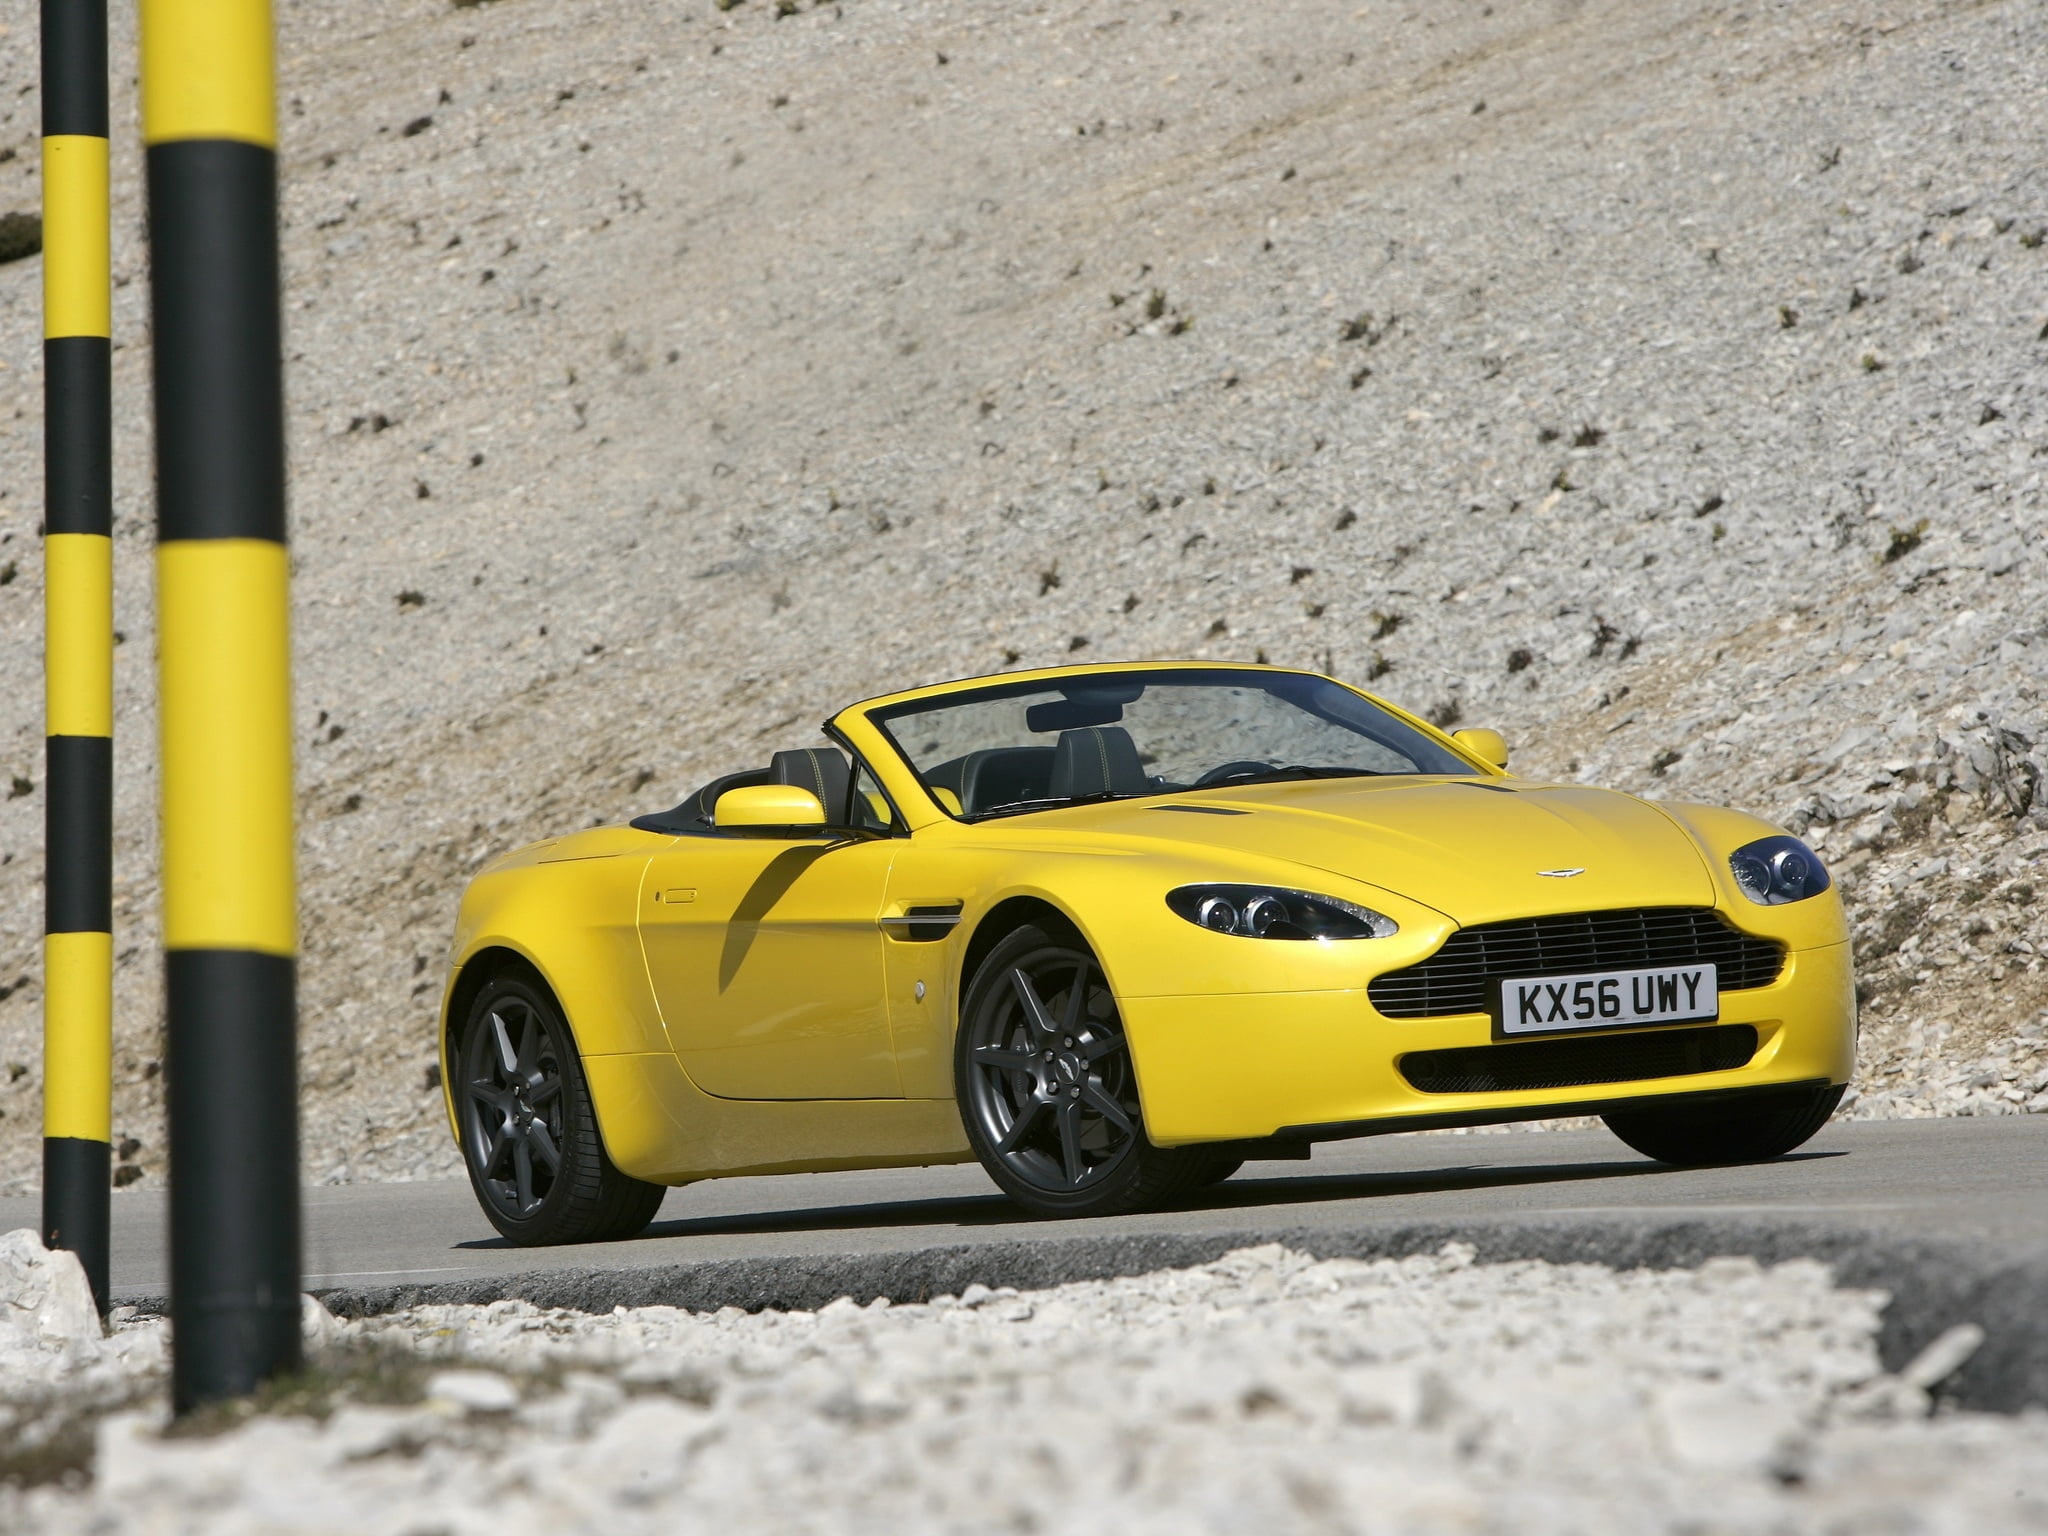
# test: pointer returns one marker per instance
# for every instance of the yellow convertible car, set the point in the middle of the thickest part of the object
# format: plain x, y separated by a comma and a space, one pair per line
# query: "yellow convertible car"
1112, 931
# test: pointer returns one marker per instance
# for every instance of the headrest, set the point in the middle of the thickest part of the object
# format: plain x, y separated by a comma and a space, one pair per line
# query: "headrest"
996, 776
1096, 760
821, 770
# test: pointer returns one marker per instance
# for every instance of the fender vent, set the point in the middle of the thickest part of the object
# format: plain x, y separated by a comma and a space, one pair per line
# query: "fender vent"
1454, 979
924, 925
1585, 1059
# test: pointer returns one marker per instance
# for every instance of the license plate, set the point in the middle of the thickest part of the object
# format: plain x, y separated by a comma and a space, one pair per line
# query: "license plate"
1672, 994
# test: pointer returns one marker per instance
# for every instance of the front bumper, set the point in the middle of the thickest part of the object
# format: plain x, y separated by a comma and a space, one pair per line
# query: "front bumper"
1242, 1067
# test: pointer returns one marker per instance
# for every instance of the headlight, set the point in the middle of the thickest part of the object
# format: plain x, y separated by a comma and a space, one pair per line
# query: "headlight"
1775, 870
1268, 912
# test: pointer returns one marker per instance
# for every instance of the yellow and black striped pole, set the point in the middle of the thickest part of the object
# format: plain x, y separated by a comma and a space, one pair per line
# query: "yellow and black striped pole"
230, 926
78, 638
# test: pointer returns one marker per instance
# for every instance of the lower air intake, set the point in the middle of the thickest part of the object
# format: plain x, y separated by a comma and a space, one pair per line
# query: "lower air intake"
1576, 1063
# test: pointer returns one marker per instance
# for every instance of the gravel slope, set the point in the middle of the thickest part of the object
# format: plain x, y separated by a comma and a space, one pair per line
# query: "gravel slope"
1265, 1391
1659, 382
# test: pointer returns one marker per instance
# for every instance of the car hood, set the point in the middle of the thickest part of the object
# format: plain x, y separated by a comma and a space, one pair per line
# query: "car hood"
1476, 850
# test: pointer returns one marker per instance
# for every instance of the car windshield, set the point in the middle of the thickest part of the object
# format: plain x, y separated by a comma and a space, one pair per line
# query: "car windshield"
1015, 747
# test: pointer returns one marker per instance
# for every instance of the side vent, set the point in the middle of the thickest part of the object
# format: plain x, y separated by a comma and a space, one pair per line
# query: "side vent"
923, 924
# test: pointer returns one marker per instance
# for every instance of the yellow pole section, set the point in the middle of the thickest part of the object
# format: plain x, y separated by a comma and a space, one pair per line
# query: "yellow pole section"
78, 977
224, 613
206, 71
78, 634
77, 290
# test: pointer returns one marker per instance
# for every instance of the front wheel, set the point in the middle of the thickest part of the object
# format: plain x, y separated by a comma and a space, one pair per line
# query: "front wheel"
529, 1130
1748, 1131
1046, 1088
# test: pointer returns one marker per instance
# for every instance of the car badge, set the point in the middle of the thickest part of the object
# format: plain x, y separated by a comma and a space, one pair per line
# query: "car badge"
1561, 874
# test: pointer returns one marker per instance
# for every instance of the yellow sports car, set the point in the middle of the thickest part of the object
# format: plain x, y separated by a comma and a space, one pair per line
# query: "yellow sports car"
1113, 930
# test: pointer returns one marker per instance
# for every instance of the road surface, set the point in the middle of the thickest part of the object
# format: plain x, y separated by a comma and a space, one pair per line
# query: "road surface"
1949, 1216
1972, 1180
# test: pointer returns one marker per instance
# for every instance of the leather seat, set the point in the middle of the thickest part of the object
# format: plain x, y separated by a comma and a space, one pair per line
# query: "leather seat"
997, 776
1097, 760
821, 770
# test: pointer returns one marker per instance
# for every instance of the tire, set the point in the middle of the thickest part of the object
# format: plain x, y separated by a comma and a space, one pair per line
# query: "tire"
1768, 1126
1046, 1089
528, 1128
1216, 1170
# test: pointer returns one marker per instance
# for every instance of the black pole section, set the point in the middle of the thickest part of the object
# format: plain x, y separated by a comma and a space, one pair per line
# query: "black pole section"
78, 526
230, 924
230, 1074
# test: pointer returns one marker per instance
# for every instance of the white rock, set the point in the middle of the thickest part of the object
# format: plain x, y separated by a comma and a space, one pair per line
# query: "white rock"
1943, 1356
318, 1327
1719, 1427
473, 1391
1266, 1391
1387, 1394
134, 1465
44, 1295
640, 1454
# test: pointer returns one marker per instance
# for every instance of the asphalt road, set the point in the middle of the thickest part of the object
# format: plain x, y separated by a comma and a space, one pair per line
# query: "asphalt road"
1978, 1182
1950, 1217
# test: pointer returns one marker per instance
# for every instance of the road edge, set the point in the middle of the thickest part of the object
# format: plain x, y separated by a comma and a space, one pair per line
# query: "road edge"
1933, 1284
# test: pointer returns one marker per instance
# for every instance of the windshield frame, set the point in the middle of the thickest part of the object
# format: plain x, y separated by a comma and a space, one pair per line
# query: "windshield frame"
878, 715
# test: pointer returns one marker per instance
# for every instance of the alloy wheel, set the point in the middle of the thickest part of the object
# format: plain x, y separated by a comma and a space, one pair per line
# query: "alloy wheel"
1050, 1074
513, 1105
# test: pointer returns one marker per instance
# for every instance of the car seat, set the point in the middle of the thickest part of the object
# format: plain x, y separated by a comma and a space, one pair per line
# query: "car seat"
997, 776
1097, 760
821, 770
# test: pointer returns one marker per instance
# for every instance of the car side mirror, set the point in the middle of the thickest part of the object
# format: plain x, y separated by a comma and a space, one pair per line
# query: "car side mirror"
1487, 746
768, 805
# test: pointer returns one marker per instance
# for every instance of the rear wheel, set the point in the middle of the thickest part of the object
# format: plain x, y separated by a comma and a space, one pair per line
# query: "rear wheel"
1046, 1088
529, 1130
1749, 1131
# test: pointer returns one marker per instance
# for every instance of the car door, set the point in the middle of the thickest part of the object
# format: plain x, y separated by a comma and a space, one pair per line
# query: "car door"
927, 893
766, 958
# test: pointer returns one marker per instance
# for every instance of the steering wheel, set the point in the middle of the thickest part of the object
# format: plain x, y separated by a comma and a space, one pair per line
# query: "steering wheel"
1234, 770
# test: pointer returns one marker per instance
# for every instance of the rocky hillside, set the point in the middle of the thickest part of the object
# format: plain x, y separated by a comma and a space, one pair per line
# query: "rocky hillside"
1658, 381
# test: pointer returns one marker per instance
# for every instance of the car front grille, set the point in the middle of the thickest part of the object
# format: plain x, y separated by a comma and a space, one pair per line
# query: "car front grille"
1455, 979
1581, 1060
